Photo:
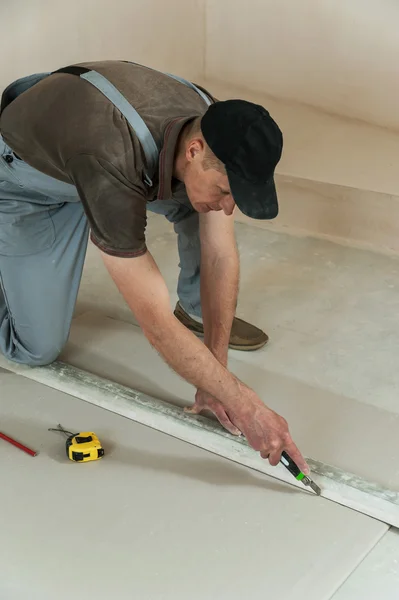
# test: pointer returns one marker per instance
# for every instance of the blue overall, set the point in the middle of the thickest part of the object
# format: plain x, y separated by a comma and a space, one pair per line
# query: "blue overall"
43, 240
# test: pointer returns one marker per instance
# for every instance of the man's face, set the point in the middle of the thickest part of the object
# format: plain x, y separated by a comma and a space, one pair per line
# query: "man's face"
207, 189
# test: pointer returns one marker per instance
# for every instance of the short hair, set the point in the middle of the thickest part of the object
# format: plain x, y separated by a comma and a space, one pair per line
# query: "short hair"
210, 160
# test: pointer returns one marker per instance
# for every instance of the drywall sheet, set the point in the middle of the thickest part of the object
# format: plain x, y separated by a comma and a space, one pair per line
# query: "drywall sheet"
330, 428
156, 519
378, 575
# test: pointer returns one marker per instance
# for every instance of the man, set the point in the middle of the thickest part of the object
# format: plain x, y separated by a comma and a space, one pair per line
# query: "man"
93, 147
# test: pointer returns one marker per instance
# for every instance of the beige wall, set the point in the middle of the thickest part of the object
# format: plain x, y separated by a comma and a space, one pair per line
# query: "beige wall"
341, 55
40, 35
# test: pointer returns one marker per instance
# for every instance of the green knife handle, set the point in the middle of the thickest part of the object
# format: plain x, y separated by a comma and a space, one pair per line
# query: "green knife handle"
293, 468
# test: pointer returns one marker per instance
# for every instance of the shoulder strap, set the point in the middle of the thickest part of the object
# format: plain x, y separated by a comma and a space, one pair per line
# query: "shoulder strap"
206, 99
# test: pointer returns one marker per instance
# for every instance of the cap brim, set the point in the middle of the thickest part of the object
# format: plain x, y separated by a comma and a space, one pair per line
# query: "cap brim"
254, 201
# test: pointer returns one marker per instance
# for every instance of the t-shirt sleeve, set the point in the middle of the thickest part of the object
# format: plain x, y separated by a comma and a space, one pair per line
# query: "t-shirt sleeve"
115, 207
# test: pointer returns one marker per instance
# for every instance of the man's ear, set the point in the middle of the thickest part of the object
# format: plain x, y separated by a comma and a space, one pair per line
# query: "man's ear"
195, 149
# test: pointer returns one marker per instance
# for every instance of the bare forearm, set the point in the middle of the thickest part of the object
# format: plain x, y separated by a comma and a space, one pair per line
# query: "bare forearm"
219, 291
144, 290
219, 280
193, 361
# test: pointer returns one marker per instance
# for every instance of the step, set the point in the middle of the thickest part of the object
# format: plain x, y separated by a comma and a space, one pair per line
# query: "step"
350, 216
338, 178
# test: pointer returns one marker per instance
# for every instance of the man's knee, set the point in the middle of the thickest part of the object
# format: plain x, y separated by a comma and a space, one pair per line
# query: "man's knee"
41, 359
35, 357
32, 346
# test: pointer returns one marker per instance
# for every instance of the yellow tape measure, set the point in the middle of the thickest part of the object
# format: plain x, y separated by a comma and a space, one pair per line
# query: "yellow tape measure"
81, 447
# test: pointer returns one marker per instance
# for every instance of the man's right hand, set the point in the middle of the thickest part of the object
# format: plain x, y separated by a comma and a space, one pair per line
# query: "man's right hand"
266, 431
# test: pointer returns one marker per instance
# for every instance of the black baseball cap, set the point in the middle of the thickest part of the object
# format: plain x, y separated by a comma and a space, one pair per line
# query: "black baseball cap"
245, 138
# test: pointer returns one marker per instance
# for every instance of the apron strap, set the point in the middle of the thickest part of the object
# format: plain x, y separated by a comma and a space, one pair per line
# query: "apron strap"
205, 98
193, 87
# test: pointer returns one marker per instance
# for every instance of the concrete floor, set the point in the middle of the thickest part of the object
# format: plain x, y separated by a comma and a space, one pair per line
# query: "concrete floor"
331, 313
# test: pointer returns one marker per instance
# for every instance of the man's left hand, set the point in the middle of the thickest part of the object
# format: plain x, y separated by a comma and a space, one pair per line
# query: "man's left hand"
204, 401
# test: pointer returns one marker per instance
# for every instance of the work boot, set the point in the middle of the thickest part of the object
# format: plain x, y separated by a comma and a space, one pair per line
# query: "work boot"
244, 336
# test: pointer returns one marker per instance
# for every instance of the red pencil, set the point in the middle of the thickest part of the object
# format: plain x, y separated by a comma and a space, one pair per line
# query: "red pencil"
17, 444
